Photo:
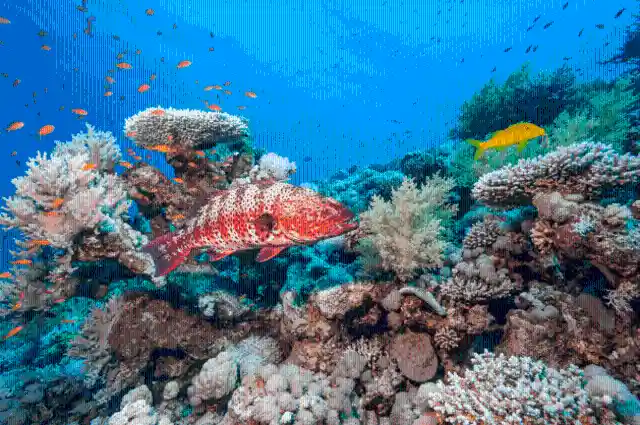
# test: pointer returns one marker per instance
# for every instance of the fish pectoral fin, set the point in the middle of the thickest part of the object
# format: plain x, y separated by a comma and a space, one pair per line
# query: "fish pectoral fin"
217, 256
268, 252
522, 145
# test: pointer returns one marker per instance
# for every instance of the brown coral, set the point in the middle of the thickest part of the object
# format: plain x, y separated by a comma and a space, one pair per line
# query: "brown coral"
415, 356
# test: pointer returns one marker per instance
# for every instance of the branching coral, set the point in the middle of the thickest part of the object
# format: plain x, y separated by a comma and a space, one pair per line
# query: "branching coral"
407, 231
585, 168
510, 391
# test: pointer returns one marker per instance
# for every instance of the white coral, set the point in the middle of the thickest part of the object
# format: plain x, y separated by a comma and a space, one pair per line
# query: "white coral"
59, 196
272, 166
406, 232
188, 128
217, 378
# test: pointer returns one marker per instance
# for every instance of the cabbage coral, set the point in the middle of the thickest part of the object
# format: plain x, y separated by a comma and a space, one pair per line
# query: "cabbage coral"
406, 232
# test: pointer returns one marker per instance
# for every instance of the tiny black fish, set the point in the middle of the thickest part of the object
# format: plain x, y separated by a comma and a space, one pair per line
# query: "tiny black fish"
494, 69
18, 162
159, 33
116, 37
580, 33
564, 6
535, 48
175, 26
211, 35
42, 33
82, 9
600, 26
528, 48
620, 12
536, 19
529, 28
566, 58
547, 25
507, 49
606, 44
306, 159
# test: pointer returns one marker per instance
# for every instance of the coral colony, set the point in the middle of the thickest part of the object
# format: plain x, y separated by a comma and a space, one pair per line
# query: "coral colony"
502, 290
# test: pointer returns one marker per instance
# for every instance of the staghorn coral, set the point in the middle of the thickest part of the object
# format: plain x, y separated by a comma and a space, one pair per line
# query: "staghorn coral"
585, 168
407, 232
186, 129
511, 390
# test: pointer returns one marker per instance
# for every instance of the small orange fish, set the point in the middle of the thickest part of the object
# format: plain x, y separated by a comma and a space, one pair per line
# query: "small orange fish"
16, 306
137, 157
46, 129
157, 112
4, 21
176, 217
13, 332
242, 108
67, 321
39, 242
201, 153
227, 92
212, 49
45, 48
149, 12
79, 111
162, 148
143, 88
57, 203
217, 87
108, 93
124, 65
125, 164
14, 153
214, 107
183, 64
131, 134
250, 94
52, 214
227, 83
178, 180
6, 275
153, 77
16, 82
109, 79
138, 51
22, 262
16, 125
89, 166
208, 88
120, 56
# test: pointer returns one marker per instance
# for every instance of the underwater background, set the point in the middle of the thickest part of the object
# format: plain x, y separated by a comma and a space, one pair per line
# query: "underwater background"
382, 212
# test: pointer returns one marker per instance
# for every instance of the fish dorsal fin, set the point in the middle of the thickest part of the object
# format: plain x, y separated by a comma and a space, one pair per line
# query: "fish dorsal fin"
268, 252
265, 182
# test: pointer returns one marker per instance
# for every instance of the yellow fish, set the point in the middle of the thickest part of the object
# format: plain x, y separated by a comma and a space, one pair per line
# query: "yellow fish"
516, 134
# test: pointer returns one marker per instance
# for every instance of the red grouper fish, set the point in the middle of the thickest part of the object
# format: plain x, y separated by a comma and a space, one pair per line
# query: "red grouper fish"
269, 216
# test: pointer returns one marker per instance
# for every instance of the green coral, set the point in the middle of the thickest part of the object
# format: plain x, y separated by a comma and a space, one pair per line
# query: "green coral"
522, 97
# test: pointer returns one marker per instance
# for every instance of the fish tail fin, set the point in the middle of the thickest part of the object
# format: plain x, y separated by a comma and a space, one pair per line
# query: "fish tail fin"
479, 149
168, 252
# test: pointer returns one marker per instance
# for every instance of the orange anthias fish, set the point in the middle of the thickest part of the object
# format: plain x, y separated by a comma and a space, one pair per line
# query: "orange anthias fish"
183, 64
89, 166
39, 242
109, 79
143, 88
16, 125
214, 107
13, 332
157, 112
108, 93
4, 21
126, 164
516, 134
45, 47
178, 180
79, 111
250, 94
149, 12
162, 148
46, 129
22, 262
6, 275
124, 65
267, 215
57, 203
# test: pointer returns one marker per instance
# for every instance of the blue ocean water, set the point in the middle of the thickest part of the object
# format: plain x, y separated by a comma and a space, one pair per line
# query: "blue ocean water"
336, 85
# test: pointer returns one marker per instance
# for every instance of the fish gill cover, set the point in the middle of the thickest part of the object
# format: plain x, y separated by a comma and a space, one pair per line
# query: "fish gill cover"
304, 213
